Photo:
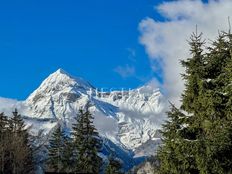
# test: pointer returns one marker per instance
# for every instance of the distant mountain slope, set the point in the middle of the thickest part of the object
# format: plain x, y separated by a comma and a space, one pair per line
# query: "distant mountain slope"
129, 119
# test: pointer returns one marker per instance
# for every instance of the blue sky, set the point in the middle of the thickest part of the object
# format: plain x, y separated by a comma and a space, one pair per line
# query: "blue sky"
96, 40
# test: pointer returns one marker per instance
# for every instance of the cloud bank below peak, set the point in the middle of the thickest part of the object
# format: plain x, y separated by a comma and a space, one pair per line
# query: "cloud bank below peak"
166, 41
7, 106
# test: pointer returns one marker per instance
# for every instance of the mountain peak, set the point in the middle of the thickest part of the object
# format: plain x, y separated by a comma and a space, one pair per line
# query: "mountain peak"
63, 77
128, 118
61, 71
57, 83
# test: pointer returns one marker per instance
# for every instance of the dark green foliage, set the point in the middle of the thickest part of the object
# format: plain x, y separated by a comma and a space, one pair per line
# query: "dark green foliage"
78, 154
22, 161
59, 156
198, 136
16, 155
176, 155
78, 139
3, 142
114, 166
68, 157
87, 143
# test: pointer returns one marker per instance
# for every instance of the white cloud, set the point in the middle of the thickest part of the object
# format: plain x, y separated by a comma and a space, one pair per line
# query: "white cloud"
106, 126
125, 71
9, 105
132, 54
166, 41
154, 83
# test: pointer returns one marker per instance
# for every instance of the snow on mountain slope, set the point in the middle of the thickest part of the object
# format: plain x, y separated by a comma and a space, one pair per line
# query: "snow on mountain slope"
145, 99
55, 96
140, 114
127, 118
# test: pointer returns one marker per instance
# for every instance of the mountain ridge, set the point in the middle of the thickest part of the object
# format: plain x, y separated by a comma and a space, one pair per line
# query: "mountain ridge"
129, 119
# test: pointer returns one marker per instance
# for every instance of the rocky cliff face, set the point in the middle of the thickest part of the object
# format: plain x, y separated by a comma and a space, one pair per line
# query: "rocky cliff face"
130, 119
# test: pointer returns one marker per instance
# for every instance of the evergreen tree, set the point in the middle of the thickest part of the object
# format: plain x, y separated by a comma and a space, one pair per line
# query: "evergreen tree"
114, 166
68, 156
20, 156
78, 139
3, 141
200, 141
87, 143
181, 131
175, 153
192, 103
3, 124
56, 150
216, 117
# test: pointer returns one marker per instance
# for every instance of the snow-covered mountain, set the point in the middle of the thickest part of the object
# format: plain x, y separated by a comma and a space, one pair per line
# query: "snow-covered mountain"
129, 119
